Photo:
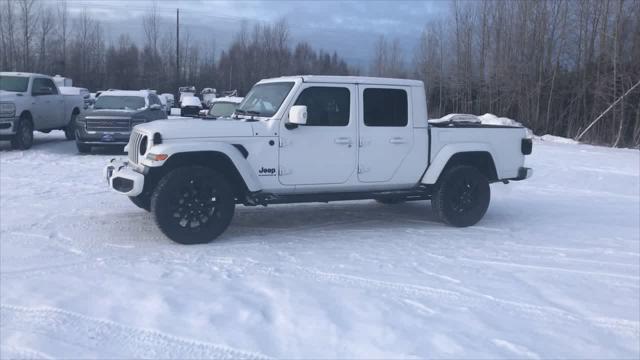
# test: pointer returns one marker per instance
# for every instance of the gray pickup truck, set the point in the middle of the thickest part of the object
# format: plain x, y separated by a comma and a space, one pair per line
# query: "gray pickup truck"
113, 116
32, 102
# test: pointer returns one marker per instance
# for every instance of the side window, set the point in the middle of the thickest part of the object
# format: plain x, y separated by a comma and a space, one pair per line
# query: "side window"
153, 99
326, 106
49, 83
385, 107
42, 82
37, 84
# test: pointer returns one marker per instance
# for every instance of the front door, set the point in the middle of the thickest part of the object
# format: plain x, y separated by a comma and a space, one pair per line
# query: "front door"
324, 150
385, 131
48, 104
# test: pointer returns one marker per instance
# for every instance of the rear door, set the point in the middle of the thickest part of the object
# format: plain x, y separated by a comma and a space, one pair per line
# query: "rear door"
324, 150
385, 131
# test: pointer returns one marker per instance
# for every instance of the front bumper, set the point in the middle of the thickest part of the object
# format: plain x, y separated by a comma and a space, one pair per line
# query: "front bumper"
8, 126
101, 138
123, 179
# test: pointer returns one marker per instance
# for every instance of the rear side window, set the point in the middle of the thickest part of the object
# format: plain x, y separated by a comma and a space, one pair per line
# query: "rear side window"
153, 99
385, 107
48, 83
326, 106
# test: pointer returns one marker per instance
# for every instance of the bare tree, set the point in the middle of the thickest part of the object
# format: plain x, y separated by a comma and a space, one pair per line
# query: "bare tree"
63, 31
47, 24
151, 26
28, 21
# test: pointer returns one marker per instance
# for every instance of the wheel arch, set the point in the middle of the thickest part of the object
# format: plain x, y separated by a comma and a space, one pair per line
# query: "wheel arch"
236, 171
26, 113
477, 155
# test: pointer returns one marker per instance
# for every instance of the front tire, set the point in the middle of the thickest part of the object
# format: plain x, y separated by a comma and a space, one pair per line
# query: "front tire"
193, 205
70, 129
462, 196
23, 139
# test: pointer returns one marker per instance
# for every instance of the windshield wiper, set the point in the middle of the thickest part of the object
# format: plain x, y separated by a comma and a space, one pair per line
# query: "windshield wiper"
249, 112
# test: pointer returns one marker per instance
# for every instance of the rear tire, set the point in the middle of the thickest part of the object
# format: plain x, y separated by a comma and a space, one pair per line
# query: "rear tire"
23, 139
462, 196
83, 148
70, 129
193, 205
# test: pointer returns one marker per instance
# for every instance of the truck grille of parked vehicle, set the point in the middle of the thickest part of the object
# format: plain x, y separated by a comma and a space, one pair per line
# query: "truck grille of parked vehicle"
114, 125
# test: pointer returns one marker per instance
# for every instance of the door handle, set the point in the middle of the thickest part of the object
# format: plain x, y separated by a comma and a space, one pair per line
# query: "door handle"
397, 140
343, 141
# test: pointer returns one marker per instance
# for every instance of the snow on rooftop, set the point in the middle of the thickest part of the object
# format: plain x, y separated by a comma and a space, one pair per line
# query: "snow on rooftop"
142, 93
231, 99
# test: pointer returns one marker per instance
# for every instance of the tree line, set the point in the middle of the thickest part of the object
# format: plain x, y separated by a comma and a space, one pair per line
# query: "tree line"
42, 36
561, 67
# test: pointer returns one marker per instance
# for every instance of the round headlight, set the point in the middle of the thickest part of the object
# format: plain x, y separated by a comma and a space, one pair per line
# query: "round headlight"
143, 145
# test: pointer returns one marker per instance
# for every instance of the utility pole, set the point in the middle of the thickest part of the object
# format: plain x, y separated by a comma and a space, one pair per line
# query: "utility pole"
177, 47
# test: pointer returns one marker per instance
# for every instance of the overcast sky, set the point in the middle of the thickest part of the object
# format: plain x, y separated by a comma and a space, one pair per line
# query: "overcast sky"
349, 27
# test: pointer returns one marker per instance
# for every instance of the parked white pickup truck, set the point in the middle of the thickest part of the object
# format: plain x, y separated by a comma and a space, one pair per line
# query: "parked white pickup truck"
31, 102
315, 139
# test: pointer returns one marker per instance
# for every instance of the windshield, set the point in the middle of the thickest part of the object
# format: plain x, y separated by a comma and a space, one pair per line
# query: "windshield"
119, 102
264, 99
14, 83
222, 109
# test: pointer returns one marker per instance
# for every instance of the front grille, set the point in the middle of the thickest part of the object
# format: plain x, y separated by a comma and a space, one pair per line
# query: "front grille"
134, 146
109, 125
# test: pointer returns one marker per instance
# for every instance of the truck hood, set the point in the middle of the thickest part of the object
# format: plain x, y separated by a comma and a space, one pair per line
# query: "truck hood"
197, 128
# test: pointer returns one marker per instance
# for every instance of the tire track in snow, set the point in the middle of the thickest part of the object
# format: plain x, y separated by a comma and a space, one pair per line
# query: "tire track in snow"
98, 334
551, 269
19, 352
467, 298
460, 297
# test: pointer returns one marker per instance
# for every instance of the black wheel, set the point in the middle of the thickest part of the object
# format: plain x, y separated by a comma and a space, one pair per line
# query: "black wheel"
462, 196
83, 148
193, 205
70, 129
23, 139
390, 200
143, 201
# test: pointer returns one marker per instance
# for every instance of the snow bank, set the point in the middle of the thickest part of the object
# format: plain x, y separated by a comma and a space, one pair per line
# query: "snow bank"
557, 139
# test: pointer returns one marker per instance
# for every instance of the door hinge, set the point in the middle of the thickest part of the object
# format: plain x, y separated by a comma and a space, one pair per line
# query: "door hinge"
362, 169
363, 142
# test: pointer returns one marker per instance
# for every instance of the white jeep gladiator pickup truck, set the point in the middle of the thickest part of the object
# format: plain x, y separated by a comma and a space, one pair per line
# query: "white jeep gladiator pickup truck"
31, 102
315, 139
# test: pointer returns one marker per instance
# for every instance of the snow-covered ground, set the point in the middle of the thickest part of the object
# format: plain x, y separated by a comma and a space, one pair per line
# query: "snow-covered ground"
551, 272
